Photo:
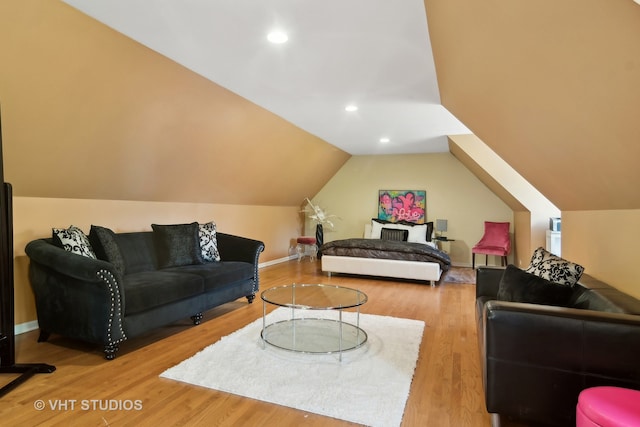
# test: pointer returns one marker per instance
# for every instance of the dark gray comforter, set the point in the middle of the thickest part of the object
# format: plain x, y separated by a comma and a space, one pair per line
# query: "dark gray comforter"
387, 249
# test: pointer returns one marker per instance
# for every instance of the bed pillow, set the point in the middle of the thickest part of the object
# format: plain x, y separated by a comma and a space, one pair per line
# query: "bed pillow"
551, 267
394, 234
73, 240
429, 230
517, 285
417, 232
177, 244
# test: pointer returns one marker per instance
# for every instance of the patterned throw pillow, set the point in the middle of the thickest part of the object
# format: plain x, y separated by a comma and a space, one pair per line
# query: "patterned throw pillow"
553, 268
208, 242
73, 240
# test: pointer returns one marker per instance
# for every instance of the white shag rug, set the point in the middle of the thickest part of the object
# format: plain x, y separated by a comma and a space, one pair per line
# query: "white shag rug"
370, 386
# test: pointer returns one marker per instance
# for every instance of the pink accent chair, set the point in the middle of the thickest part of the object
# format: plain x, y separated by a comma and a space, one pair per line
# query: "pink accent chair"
496, 241
608, 407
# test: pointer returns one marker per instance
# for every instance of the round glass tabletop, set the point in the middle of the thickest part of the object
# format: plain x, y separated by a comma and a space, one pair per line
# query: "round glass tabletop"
314, 296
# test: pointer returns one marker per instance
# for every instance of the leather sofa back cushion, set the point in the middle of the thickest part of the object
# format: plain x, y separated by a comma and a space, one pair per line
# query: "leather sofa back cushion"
609, 299
517, 285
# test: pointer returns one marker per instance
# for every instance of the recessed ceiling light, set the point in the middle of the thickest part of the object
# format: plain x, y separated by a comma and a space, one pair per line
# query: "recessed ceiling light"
384, 140
351, 107
277, 37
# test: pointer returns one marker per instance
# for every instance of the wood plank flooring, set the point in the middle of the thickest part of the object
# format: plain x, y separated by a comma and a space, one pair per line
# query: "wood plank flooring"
446, 389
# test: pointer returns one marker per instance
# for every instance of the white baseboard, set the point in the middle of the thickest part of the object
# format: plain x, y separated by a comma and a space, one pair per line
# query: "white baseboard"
277, 261
25, 327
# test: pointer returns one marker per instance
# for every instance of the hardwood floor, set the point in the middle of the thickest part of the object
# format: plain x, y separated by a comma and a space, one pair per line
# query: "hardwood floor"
446, 388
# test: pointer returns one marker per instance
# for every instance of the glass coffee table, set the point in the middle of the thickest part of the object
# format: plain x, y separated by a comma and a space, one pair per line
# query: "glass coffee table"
301, 331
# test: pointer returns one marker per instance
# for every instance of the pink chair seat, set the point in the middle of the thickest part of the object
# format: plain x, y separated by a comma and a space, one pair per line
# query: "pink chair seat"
491, 250
306, 240
608, 407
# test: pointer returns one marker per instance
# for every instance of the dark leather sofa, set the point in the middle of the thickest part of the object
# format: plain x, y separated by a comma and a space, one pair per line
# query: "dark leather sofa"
537, 358
94, 301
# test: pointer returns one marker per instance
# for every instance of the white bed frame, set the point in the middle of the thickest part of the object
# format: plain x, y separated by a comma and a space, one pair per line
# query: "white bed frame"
416, 270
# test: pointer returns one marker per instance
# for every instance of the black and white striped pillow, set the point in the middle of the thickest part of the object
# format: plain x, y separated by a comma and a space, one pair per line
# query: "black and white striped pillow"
394, 234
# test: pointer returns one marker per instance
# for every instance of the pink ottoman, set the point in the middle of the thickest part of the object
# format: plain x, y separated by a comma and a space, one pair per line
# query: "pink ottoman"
608, 407
304, 243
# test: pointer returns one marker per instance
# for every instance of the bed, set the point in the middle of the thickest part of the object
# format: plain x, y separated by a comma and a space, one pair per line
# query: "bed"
397, 250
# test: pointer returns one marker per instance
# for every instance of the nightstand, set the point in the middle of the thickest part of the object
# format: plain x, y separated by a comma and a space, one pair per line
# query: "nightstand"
444, 244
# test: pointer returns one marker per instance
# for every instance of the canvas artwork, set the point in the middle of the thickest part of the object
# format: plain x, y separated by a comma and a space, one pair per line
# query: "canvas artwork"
402, 205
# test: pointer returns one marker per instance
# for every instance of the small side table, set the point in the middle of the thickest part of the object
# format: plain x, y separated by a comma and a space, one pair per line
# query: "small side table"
444, 244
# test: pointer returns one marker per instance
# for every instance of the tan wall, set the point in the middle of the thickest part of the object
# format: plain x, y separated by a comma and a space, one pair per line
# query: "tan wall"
551, 87
522, 238
34, 217
531, 209
99, 129
606, 243
453, 193
90, 114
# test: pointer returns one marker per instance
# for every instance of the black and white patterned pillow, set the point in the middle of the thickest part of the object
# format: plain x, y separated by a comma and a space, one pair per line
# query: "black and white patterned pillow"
73, 240
553, 268
208, 242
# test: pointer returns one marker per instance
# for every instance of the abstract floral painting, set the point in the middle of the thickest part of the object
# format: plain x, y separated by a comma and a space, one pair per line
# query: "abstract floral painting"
402, 205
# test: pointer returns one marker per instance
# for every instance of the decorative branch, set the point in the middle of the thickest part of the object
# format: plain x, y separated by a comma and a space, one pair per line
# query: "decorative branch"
318, 215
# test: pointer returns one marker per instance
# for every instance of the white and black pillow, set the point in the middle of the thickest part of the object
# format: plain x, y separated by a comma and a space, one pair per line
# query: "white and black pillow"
73, 240
208, 242
553, 268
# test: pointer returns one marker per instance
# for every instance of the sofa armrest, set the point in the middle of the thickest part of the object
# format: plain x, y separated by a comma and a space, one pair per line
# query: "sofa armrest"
76, 296
488, 281
69, 264
538, 358
236, 248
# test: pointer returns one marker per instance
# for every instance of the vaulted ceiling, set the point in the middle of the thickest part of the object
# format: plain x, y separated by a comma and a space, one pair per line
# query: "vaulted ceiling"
374, 54
551, 87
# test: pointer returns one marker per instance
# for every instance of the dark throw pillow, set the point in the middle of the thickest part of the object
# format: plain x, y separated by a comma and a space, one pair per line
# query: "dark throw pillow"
104, 244
394, 234
429, 230
519, 286
177, 244
73, 240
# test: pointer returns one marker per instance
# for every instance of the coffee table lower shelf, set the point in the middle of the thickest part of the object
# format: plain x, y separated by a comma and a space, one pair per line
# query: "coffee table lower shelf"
310, 335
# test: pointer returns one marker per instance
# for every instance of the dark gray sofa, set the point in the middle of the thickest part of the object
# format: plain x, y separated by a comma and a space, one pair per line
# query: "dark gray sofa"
536, 358
94, 301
